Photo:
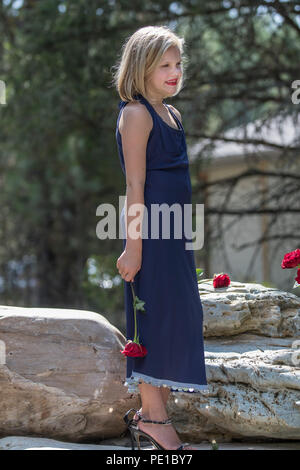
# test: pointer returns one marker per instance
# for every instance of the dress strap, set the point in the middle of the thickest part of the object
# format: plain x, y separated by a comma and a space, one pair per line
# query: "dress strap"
151, 110
142, 99
154, 113
174, 116
122, 104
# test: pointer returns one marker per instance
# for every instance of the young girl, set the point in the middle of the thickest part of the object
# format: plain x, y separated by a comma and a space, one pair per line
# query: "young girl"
153, 156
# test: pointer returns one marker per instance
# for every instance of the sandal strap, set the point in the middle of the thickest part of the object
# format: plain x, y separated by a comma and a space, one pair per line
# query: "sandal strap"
166, 421
141, 417
183, 445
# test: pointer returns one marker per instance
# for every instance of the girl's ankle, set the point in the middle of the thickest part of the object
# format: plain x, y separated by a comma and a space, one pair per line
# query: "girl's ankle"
154, 416
150, 416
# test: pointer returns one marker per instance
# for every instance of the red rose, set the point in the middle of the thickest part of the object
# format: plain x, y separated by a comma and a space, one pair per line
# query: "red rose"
291, 260
297, 279
221, 280
133, 349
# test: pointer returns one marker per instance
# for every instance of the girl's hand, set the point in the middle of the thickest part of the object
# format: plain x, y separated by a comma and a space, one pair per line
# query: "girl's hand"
129, 263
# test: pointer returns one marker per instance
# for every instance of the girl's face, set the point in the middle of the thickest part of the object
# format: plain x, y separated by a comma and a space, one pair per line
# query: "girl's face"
167, 70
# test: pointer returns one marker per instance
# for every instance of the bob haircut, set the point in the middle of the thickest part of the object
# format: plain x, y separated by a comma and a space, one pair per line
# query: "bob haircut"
141, 54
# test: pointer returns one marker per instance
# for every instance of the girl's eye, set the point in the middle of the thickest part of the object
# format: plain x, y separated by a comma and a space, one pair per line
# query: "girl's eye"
166, 65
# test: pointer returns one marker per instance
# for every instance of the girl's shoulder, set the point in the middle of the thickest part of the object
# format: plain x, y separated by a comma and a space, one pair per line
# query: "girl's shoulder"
135, 113
135, 110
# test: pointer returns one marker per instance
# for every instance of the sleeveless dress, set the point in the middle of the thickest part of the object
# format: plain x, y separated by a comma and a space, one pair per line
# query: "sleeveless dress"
171, 327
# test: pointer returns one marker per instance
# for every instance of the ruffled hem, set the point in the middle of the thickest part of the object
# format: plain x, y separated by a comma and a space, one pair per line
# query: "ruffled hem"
132, 384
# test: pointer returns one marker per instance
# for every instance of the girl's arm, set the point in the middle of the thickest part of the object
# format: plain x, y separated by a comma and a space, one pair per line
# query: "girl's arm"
135, 125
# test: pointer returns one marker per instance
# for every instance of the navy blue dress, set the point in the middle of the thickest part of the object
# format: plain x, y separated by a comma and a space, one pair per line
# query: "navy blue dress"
171, 327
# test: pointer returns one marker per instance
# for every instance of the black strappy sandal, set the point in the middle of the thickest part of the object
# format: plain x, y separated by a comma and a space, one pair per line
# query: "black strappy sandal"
136, 433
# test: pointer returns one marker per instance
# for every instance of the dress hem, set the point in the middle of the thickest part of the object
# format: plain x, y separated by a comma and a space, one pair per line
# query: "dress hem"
132, 384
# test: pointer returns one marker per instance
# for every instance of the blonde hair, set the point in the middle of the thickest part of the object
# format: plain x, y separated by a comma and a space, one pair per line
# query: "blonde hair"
140, 55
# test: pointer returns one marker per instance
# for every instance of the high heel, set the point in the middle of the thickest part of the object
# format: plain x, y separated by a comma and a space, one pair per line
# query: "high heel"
136, 433
128, 424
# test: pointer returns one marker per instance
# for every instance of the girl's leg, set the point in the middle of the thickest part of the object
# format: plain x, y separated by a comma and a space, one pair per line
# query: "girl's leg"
154, 408
153, 401
165, 392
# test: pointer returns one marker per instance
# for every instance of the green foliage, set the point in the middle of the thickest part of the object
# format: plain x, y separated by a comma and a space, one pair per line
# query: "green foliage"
199, 273
58, 153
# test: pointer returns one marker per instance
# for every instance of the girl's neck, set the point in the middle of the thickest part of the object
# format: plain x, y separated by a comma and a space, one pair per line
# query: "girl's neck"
155, 101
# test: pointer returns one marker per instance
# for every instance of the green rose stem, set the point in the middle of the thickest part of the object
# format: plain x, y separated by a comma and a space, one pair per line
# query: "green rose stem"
135, 339
138, 304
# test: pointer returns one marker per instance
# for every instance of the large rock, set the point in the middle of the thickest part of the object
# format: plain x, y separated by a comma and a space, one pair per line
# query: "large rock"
63, 375
252, 354
249, 307
38, 443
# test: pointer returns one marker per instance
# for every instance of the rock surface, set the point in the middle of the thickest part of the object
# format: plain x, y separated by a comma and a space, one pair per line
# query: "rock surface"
34, 443
63, 375
248, 307
252, 354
